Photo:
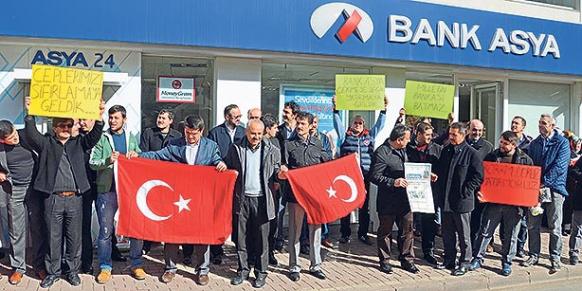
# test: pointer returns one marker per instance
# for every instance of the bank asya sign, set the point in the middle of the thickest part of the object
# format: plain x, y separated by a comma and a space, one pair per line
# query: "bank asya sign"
401, 29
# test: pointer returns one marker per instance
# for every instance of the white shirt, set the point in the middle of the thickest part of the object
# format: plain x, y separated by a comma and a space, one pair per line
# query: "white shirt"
231, 131
191, 152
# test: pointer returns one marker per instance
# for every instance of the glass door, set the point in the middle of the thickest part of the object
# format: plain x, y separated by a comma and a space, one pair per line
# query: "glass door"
486, 107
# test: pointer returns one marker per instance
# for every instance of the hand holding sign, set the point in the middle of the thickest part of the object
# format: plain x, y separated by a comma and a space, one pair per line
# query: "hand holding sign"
65, 92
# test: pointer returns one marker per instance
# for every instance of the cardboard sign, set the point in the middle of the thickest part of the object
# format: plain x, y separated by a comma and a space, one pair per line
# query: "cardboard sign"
176, 90
429, 99
360, 92
511, 184
65, 92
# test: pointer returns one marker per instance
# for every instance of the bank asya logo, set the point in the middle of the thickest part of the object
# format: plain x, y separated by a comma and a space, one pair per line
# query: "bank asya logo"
357, 21
176, 84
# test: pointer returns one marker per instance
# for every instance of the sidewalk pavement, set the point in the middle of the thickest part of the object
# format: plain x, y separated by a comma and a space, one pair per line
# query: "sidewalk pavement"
352, 266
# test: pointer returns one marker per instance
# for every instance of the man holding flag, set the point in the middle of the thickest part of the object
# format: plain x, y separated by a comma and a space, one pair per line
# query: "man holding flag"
258, 162
302, 150
194, 150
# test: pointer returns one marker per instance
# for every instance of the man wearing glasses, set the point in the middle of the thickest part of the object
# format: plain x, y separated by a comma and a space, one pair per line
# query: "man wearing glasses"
62, 178
225, 135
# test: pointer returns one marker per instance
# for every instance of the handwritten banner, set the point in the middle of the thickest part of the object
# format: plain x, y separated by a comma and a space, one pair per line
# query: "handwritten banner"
65, 92
511, 184
429, 99
360, 92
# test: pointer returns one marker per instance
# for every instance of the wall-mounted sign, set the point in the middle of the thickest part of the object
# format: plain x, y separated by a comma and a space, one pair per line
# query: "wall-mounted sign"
176, 90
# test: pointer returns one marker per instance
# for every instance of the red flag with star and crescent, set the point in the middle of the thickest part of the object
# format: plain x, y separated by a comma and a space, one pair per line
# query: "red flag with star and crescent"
329, 191
173, 202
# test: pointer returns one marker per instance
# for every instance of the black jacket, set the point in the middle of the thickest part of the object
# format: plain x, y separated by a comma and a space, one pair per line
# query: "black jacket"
270, 164
430, 155
460, 174
152, 139
220, 135
387, 166
299, 154
482, 146
575, 174
282, 137
50, 151
6, 186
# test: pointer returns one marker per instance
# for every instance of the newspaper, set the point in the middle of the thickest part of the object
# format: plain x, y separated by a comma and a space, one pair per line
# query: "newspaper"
419, 191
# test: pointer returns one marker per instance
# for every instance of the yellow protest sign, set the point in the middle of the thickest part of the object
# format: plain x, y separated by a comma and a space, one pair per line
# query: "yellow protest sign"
65, 92
360, 92
429, 99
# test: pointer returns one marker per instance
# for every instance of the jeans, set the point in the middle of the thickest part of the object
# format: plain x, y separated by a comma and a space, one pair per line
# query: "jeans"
493, 215
553, 210
106, 204
576, 235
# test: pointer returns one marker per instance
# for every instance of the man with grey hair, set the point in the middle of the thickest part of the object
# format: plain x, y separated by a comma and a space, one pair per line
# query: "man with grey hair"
258, 161
551, 151
254, 113
460, 173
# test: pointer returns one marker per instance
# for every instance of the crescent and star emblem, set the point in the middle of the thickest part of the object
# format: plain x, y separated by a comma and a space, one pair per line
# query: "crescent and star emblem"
350, 182
142, 200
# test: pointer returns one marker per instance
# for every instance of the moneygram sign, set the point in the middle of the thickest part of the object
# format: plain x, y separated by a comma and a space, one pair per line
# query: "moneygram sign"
457, 35
176, 90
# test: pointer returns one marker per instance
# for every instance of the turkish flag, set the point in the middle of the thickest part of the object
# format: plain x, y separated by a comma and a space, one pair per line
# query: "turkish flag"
329, 191
173, 202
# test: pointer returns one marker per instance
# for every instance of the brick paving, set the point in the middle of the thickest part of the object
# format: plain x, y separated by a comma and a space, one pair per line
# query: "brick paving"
348, 267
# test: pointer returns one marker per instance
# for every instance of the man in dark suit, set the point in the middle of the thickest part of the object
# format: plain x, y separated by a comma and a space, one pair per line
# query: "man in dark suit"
460, 173
194, 150
225, 135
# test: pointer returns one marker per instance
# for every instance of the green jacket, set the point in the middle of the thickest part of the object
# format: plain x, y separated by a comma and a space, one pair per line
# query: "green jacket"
100, 156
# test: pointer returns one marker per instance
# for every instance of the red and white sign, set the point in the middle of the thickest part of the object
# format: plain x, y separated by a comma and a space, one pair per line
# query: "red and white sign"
176, 90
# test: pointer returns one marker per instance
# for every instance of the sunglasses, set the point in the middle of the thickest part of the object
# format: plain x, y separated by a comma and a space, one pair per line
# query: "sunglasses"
65, 125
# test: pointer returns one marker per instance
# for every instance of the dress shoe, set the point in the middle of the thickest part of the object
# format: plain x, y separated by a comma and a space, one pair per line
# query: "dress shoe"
520, 254
318, 274
460, 271
118, 257
345, 240
556, 266
327, 243
279, 245
260, 281
386, 268
74, 279
49, 281
505, 269
475, 264
432, 261
450, 265
294, 276
272, 260
217, 260
239, 278
167, 277
15, 278
304, 249
574, 260
409, 267
201, 280
365, 240
104, 276
531, 261
187, 261
87, 270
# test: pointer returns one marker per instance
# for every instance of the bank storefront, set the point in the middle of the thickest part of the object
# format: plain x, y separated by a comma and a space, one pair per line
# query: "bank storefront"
261, 53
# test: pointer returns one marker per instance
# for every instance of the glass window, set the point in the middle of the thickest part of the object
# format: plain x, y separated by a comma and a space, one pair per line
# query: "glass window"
199, 69
531, 99
564, 3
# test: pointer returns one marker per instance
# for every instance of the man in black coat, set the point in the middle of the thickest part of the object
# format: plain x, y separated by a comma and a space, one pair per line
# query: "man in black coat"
226, 134
62, 178
460, 174
507, 215
257, 162
424, 150
475, 140
387, 171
